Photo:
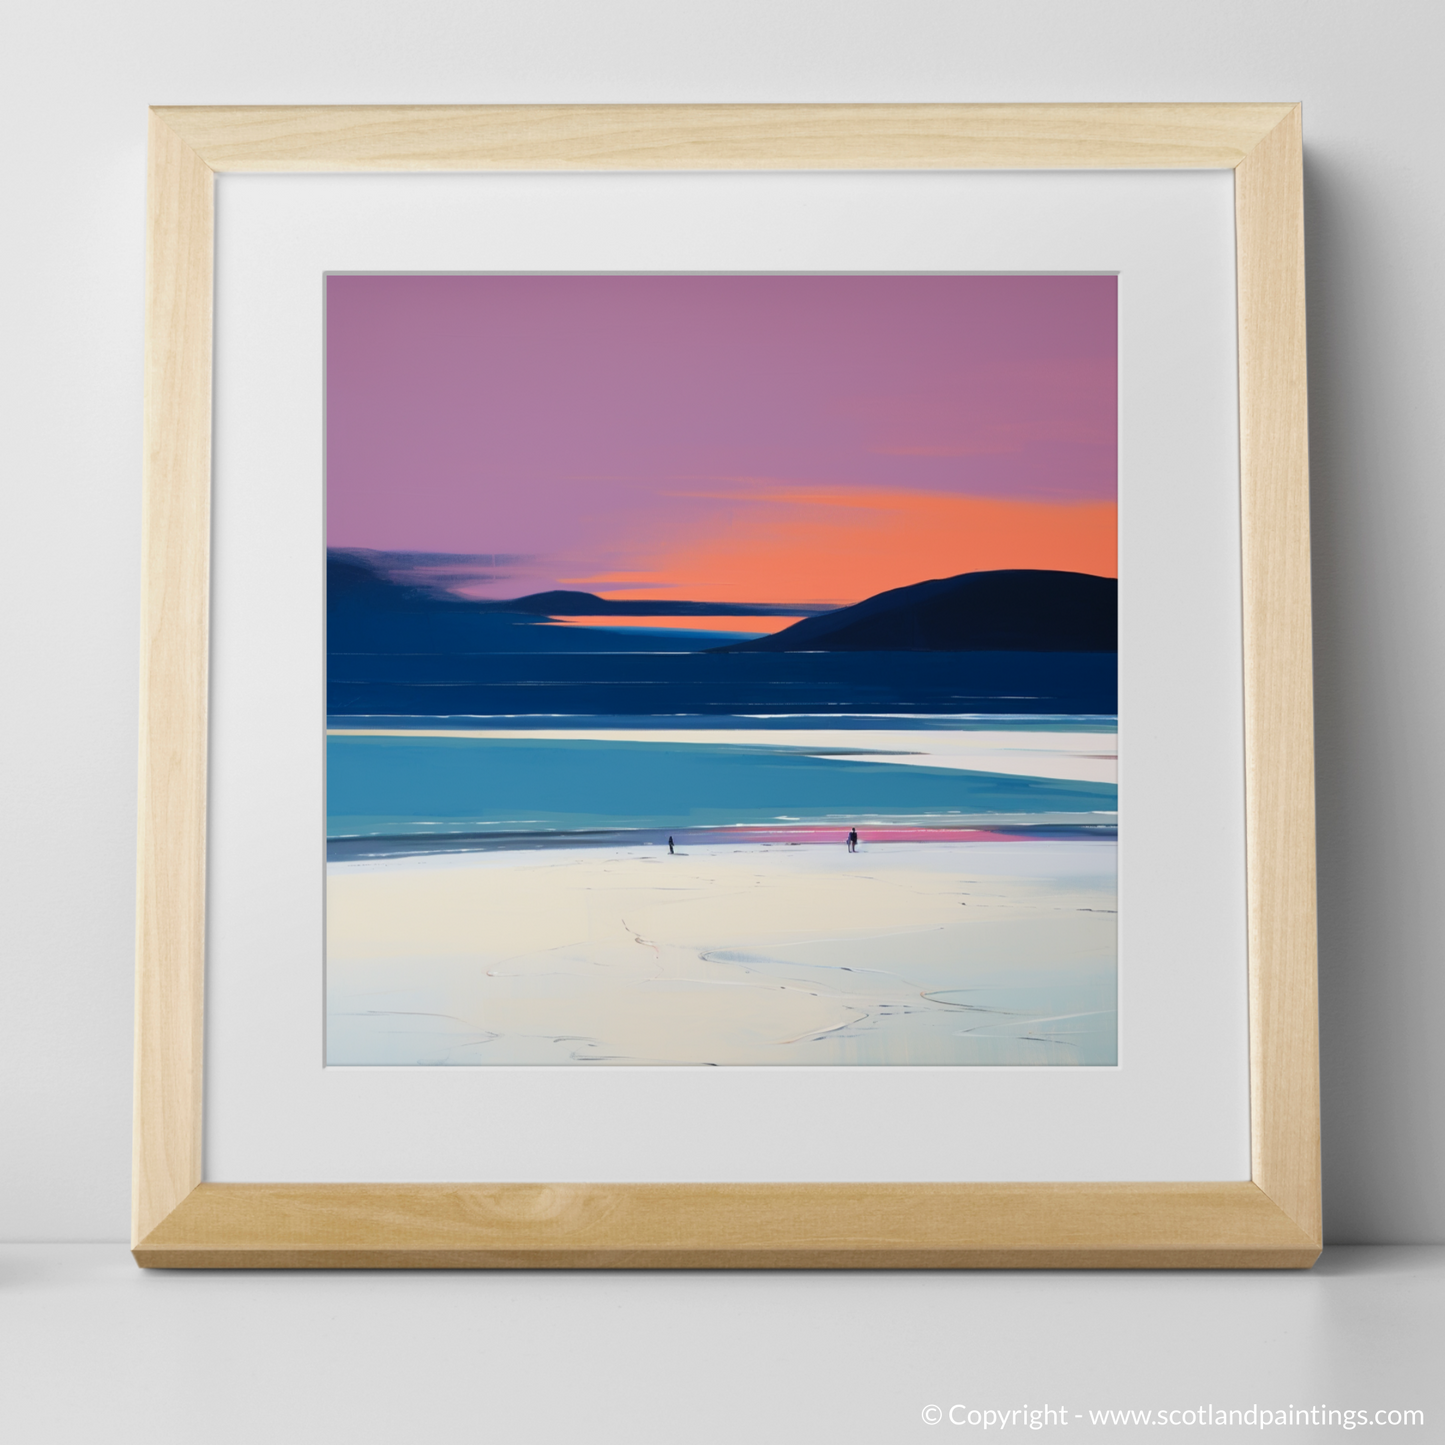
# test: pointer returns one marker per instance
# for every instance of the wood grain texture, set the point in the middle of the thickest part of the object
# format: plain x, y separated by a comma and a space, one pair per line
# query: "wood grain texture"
171, 881
1278, 687
707, 1226
720, 137
1272, 1222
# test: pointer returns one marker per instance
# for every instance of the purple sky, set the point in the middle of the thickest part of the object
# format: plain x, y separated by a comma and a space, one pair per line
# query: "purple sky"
598, 425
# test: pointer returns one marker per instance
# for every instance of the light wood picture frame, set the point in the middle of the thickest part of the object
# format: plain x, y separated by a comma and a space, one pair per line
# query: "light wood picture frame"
1270, 1221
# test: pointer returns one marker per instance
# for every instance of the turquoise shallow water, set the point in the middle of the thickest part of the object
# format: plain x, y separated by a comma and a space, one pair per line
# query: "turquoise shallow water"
407, 785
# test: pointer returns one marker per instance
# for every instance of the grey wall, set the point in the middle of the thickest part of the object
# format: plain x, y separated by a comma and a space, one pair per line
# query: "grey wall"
77, 77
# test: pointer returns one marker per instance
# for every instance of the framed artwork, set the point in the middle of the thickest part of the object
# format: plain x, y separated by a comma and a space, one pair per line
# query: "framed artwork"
777, 728
723, 677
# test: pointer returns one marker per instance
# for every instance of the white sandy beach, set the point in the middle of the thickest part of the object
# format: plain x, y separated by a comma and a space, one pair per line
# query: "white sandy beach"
908, 953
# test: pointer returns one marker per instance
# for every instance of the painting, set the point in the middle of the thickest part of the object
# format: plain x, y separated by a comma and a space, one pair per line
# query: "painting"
722, 670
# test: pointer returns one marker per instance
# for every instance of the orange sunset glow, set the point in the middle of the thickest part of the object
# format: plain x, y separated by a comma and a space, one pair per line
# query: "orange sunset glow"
688, 624
840, 547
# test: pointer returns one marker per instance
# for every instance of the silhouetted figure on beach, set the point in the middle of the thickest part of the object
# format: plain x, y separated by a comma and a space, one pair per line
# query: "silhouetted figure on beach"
852, 840
669, 843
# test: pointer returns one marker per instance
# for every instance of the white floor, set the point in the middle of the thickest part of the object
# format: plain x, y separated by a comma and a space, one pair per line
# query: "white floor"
93, 1349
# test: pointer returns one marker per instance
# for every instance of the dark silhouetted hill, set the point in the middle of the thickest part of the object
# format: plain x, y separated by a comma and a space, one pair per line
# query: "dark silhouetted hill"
588, 604
354, 579
370, 611
1009, 611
